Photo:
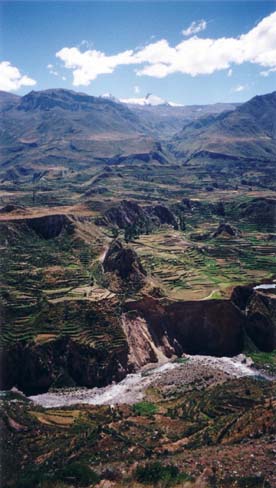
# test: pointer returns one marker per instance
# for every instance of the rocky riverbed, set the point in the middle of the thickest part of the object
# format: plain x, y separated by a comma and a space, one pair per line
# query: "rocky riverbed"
187, 373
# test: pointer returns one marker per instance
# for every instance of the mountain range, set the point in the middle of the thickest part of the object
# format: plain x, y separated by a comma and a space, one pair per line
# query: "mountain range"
247, 132
62, 128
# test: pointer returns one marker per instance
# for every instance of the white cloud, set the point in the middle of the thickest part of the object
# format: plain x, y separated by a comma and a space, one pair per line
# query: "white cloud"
88, 65
50, 66
11, 79
195, 28
267, 72
230, 72
193, 56
136, 89
240, 88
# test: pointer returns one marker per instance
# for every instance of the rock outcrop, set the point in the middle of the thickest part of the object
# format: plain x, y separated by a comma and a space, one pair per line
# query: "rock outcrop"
129, 213
226, 230
261, 320
49, 226
59, 363
212, 327
125, 266
259, 308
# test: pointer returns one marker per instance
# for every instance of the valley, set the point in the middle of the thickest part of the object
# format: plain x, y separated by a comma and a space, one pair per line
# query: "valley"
134, 245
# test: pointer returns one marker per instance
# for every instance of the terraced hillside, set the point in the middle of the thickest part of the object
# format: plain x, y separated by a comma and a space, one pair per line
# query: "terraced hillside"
119, 248
66, 284
221, 436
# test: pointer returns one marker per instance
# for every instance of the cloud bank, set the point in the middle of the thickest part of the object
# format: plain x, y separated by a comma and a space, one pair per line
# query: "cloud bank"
11, 79
194, 56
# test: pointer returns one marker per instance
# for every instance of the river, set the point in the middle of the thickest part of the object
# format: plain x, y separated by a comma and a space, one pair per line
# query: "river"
131, 389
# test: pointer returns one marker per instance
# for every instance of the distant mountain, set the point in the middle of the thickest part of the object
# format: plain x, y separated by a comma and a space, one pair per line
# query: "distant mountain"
63, 128
60, 128
166, 119
52, 112
8, 100
248, 132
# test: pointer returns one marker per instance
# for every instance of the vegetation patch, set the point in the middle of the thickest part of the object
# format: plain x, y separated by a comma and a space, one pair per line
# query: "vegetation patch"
145, 408
157, 472
265, 360
79, 474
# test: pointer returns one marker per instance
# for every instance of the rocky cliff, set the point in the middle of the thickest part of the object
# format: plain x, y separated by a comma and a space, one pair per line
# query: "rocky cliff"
212, 327
129, 213
123, 267
95, 345
259, 309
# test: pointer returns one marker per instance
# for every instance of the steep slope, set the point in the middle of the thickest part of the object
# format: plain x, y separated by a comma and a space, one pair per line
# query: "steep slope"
61, 129
247, 133
8, 100
47, 114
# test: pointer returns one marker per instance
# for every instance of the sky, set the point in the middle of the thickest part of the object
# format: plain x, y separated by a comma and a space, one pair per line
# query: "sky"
187, 52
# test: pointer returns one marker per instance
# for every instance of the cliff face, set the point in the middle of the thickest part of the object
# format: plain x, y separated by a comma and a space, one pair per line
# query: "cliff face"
95, 345
82, 344
212, 327
129, 213
259, 308
60, 363
261, 320
49, 226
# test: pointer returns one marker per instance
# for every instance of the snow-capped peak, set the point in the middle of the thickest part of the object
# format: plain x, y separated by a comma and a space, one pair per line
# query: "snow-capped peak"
149, 99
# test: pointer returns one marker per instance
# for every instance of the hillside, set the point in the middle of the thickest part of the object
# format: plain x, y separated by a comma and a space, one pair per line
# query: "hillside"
246, 133
64, 129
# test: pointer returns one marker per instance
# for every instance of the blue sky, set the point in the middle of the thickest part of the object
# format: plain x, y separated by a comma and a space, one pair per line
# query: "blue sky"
186, 52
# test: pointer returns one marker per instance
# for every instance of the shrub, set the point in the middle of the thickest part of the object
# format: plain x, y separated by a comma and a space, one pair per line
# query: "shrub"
145, 408
155, 472
31, 478
80, 473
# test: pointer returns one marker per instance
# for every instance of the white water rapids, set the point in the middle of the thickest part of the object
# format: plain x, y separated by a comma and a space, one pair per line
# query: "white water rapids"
131, 389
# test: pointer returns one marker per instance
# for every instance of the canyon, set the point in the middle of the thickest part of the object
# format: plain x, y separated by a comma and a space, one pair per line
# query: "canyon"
137, 290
